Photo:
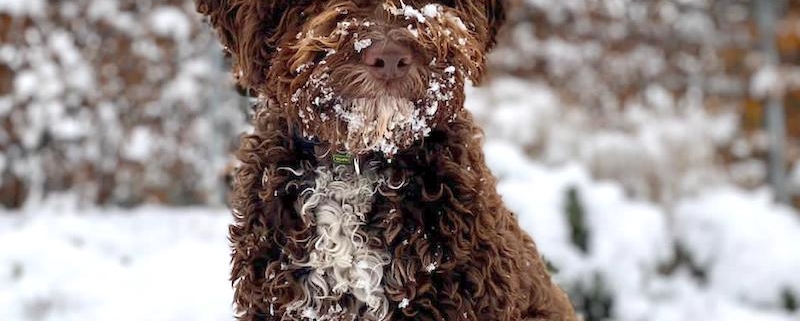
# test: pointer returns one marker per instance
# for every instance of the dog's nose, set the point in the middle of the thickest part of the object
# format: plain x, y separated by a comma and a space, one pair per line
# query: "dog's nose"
388, 59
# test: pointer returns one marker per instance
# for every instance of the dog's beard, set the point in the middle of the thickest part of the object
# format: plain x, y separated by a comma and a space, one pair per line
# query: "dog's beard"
383, 124
361, 116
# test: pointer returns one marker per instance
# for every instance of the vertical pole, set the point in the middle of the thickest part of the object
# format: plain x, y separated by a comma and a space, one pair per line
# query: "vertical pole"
766, 16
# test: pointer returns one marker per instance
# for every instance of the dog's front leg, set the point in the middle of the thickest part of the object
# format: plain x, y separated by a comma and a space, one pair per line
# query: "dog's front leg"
266, 233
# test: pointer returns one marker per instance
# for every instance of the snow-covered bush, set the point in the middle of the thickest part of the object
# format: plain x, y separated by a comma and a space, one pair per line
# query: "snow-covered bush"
116, 101
655, 154
124, 101
655, 94
747, 246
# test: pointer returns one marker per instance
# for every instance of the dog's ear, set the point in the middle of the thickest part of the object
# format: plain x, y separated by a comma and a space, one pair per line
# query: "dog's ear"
488, 16
249, 31
221, 18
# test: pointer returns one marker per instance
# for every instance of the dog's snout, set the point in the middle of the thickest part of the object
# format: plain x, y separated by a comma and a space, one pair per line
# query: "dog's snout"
388, 59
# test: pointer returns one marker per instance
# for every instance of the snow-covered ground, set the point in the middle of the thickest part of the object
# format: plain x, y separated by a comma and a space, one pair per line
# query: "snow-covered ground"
155, 263
748, 246
145, 264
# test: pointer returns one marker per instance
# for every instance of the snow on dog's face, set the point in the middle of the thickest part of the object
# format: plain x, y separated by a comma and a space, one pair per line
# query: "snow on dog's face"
360, 75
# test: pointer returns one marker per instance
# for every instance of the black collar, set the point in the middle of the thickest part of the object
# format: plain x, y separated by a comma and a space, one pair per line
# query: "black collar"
306, 147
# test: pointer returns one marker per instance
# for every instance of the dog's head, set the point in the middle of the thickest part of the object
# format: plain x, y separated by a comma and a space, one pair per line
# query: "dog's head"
356, 74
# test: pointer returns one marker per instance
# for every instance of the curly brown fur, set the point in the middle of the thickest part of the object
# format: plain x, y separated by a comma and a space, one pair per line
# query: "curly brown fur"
446, 247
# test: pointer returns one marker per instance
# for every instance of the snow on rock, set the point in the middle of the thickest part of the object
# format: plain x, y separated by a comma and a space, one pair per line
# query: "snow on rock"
146, 264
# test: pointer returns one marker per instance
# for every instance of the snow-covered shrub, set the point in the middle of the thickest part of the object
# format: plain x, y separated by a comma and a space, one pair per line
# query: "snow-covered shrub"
576, 216
119, 101
656, 154
590, 295
648, 93
747, 246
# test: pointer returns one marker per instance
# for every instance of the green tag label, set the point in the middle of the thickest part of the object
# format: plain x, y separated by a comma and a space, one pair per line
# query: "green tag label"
342, 158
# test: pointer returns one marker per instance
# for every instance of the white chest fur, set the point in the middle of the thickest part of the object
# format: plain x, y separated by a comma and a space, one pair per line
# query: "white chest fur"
341, 262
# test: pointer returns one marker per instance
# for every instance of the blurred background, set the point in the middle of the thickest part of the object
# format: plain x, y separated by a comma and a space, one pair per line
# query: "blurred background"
651, 147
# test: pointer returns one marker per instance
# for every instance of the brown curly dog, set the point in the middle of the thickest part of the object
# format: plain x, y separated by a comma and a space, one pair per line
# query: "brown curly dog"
362, 193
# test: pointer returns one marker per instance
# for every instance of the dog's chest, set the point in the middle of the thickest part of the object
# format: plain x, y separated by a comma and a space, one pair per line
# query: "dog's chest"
345, 272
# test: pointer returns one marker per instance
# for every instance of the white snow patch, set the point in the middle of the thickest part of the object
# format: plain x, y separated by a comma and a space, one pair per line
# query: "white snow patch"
170, 22
767, 82
431, 267
69, 128
99, 9
26, 83
431, 10
150, 263
23, 7
140, 145
403, 304
410, 12
747, 244
362, 44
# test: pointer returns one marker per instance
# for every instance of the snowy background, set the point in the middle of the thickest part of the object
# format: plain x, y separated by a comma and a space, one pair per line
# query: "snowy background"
627, 134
